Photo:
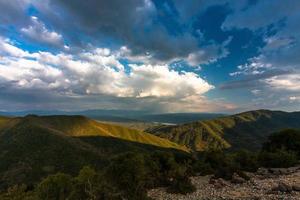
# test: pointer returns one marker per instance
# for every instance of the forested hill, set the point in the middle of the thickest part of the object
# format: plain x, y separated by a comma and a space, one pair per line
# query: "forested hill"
245, 130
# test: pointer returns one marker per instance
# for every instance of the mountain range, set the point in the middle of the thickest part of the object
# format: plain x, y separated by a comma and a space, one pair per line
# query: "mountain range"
34, 146
123, 116
245, 130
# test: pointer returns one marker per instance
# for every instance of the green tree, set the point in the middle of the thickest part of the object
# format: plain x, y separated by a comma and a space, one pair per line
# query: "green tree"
55, 187
288, 140
18, 192
129, 173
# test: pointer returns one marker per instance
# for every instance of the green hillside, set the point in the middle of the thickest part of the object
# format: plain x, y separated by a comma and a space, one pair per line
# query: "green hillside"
244, 130
32, 147
80, 126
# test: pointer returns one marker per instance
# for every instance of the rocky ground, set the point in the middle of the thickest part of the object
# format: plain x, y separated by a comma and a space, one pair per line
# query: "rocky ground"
265, 184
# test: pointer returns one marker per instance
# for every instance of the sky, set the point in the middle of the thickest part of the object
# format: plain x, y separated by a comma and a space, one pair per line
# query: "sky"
154, 55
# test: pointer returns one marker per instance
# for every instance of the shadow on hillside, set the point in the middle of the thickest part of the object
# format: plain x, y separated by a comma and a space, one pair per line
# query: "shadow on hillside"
111, 145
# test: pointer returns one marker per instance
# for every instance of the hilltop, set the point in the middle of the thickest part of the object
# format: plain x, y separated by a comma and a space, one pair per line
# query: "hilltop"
33, 146
245, 130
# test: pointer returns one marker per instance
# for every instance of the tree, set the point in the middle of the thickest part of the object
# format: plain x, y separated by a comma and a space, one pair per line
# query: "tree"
55, 187
288, 140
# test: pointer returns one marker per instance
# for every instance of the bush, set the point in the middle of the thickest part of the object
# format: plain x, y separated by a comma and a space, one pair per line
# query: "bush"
279, 158
128, 173
18, 192
288, 140
181, 185
203, 168
222, 164
246, 160
86, 184
55, 187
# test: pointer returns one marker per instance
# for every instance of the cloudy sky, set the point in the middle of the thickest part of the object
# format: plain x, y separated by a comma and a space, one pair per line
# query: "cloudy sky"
158, 55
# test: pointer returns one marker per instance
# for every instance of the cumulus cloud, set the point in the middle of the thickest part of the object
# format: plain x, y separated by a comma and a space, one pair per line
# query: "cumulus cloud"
99, 73
275, 71
37, 31
134, 25
6, 48
208, 54
290, 82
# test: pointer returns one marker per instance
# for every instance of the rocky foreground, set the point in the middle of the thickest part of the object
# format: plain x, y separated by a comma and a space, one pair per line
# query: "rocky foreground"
265, 184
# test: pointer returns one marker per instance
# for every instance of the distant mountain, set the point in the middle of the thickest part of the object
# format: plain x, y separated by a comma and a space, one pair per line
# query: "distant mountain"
245, 130
33, 146
179, 118
124, 116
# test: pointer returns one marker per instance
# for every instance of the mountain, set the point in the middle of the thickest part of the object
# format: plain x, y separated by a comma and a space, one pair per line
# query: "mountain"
245, 130
179, 118
32, 147
124, 116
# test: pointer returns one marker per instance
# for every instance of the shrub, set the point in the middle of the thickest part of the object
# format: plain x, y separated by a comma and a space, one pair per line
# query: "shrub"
166, 167
279, 158
55, 187
86, 184
128, 173
222, 164
202, 167
246, 160
288, 140
18, 192
181, 185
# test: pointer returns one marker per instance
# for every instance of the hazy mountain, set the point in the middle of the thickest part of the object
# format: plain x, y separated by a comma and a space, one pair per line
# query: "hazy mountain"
244, 130
127, 116
32, 146
179, 118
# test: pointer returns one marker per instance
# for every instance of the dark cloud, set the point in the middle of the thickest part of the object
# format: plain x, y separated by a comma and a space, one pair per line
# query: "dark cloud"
251, 81
140, 25
13, 12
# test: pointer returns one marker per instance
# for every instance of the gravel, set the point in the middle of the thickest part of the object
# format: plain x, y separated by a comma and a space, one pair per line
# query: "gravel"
259, 187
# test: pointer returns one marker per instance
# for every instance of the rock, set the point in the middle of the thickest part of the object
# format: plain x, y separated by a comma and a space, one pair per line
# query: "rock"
212, 180
218, 183
296, 188
262, 171
282, 187
237, 179
280, 171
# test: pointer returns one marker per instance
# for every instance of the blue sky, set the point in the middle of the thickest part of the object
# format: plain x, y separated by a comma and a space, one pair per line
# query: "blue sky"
157, 55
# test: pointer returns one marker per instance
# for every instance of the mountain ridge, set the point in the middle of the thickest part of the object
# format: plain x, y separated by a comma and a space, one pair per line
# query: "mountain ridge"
243, 130
33, 147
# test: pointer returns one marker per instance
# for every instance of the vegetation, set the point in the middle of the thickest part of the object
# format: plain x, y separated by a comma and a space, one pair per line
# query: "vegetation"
33, 147
245, 130
126, 177
61, 166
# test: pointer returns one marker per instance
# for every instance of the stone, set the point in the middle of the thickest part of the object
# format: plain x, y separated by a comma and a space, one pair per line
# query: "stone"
282, 187
262, 171
237, 179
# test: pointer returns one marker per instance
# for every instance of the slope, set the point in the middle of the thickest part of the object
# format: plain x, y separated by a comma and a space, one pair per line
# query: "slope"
80, 126
245, 130
32, 147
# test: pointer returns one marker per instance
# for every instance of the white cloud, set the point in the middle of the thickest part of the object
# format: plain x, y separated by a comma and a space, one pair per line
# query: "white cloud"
295, 98
125, 52
289, 82
37, 31
277, 22
6, 48
160, 81
256, 91
208, 54
99, 72
255, 66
